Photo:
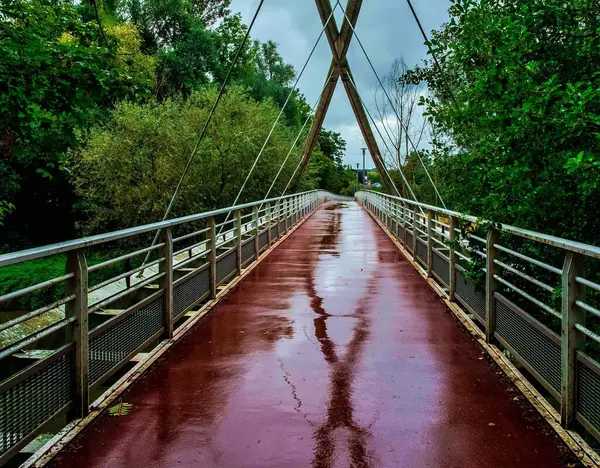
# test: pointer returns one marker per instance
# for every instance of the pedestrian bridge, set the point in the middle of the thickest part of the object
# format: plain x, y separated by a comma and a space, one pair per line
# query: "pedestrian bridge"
303, 331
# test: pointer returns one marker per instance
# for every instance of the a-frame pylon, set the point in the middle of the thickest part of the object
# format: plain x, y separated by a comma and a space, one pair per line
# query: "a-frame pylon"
339, 42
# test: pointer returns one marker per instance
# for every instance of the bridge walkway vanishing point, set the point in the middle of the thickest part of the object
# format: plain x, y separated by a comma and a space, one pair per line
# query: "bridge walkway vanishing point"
332, 352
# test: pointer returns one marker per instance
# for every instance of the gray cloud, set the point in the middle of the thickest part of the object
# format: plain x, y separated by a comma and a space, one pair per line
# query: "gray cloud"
386, 29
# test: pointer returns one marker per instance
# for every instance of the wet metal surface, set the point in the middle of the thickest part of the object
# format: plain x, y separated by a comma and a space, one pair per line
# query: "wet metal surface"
332, 353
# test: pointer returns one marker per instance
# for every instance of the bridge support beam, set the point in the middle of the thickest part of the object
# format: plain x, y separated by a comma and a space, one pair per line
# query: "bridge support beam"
339, 42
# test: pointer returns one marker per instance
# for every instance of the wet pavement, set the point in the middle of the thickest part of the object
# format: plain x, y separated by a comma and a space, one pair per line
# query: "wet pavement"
333, 352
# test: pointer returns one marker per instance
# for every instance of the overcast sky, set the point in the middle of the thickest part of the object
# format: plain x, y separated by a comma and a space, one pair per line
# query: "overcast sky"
386, 29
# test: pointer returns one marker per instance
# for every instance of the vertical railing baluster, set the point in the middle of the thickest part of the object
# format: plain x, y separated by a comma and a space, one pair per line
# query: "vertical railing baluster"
166, 282
285, 213
429, 243
396, 208
278, 219
491, 284
414, 232
212, 256
404, 224
572, 340
238, 242
78, 308
452, 258
256, 232
269, 222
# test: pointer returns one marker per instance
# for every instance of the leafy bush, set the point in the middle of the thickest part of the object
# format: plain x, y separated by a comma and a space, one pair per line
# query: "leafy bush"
127, 171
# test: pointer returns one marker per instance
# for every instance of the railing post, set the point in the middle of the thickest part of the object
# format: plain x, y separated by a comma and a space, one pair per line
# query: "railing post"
572, 340
304, 207
212, 257
429, 243
285, 213
269, 221
386, 214
78, 308
404, 223
491, 285
238, 243
415, 232
256, 232
278, 219
397, 218
452, 258
166, 282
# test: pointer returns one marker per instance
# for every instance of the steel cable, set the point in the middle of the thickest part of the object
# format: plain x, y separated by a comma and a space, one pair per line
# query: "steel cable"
391, 103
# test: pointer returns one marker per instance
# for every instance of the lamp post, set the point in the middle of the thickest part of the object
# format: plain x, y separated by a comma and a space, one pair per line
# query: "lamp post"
364, 172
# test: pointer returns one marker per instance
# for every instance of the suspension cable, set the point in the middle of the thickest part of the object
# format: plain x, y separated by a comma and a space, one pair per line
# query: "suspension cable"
206, 123
428, 44
290, 94
297, 138
385, 143
392, 105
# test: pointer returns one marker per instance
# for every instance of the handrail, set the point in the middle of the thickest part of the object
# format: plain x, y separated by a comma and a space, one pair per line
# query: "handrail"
66, 246
566, 244
547, 335
121, 309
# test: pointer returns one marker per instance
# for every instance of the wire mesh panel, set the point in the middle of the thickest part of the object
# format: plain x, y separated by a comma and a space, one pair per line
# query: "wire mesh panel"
282, 227
470, 295
441, 267
400, 232
247, 251
535, 346
27, 403
421, 251
263, 240
588, 392
116, 341
274, 232
226, 266
409, 241
190, 289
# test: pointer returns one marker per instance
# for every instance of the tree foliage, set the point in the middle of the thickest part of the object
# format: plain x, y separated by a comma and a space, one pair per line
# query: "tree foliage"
56, 76
158, 139
74, 75
523, 128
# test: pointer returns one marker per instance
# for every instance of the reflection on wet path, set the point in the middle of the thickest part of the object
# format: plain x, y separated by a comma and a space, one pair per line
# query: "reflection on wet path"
340, 413
332, 353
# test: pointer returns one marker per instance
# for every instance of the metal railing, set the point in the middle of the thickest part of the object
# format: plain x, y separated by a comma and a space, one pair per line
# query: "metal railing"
534, 294
55, 357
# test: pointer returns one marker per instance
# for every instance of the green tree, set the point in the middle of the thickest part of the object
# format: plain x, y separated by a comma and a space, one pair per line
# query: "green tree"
118, 192
57, 74
522, 133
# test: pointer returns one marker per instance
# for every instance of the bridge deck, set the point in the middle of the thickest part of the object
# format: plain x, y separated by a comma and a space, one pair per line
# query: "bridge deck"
333, 352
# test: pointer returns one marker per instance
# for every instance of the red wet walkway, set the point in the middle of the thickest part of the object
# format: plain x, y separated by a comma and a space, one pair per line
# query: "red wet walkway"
333, 352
